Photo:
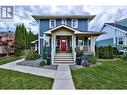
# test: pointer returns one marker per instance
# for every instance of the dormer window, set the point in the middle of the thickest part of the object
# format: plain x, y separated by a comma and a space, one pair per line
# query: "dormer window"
74, 23
64, 21
52, 23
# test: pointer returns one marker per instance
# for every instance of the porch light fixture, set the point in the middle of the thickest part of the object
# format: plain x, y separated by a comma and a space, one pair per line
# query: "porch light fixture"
89, 38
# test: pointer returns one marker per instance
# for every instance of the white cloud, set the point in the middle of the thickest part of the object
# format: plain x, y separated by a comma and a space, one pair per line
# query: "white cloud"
104, 14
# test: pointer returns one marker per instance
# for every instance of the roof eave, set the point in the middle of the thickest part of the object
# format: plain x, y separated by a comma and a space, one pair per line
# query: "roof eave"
38, 17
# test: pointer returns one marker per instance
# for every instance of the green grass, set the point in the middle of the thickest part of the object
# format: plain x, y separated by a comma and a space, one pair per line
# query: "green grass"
109, 75
4, 60
16, 80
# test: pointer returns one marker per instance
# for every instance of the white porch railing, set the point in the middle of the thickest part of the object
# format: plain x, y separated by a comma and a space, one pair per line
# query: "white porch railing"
86, 49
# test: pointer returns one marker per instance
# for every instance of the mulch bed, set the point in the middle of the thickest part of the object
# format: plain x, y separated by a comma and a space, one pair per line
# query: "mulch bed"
36, 63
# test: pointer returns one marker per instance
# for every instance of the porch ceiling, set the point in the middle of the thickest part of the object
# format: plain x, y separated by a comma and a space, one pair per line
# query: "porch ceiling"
88, 33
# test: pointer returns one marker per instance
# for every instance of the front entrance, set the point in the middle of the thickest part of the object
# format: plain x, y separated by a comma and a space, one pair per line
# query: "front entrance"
63, 45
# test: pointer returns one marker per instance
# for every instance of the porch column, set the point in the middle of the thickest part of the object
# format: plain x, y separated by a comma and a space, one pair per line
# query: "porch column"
52, 50
54, 44
74, 46
93, 39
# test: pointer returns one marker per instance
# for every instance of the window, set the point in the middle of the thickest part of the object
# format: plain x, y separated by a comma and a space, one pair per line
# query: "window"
46, 42
52, 23
64, 21
74, 23
120, 41
80, 41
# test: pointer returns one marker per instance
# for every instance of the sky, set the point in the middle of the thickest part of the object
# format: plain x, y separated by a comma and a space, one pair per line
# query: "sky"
104, 14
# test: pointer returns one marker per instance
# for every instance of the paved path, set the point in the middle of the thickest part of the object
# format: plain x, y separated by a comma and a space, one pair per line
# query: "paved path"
62, 76
63, 79
31, 70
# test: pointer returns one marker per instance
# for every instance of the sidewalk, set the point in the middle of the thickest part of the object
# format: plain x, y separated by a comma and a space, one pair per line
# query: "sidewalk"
63, 79
62, 76
30, 70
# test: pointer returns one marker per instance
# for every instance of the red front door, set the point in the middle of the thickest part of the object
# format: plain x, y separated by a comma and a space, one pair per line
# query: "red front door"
63, 45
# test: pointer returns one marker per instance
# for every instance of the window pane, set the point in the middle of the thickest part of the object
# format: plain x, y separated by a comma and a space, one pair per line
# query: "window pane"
80, 42
52, 23
74, 23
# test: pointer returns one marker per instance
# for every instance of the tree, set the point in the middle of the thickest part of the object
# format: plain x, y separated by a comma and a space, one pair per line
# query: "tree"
23, 38
7, 45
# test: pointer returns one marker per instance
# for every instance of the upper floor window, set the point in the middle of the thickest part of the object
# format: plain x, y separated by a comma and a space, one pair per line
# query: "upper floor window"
64, 21
74, 23
52, 23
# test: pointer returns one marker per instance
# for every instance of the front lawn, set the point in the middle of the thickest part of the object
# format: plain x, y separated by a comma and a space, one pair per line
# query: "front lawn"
16, 80
4, 60
109, 75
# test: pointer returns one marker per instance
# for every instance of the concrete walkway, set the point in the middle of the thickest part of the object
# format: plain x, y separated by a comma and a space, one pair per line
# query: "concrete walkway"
62, 75
30, 70
63, 79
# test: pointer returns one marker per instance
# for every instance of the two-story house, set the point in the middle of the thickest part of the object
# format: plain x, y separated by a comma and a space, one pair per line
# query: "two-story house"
115, 34
62, 34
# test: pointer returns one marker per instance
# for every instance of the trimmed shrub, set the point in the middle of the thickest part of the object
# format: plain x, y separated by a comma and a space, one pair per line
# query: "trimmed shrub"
18, 52
79, 53
115, 51
42, 63
105, 52
111, 55
44, 53
30, 55
93, 59
124, 57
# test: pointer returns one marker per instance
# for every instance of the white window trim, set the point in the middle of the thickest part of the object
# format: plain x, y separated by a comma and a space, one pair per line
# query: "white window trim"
76, 23
50, 23
63, 22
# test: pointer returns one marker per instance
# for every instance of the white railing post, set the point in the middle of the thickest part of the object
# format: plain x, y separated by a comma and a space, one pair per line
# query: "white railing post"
52, 50
74, 46
93, 44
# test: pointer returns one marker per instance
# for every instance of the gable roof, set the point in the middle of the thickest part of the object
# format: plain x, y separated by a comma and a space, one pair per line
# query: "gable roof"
117, 26
74, 30
58, 27
38, 17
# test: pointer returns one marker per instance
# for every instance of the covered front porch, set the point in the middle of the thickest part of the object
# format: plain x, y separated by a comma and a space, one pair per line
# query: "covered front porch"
64, 40
65, 44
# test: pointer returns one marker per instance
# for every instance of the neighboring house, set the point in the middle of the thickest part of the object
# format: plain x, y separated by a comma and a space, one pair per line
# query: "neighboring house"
115, 34
4, 37
62, 34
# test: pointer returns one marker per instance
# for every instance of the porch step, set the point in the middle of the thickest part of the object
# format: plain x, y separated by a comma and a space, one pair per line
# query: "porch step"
63, 58
59, 59
63, 62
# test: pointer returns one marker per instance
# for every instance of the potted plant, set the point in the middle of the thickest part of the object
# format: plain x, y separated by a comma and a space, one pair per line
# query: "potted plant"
49, 60
79, 54
69, 50
57, 50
